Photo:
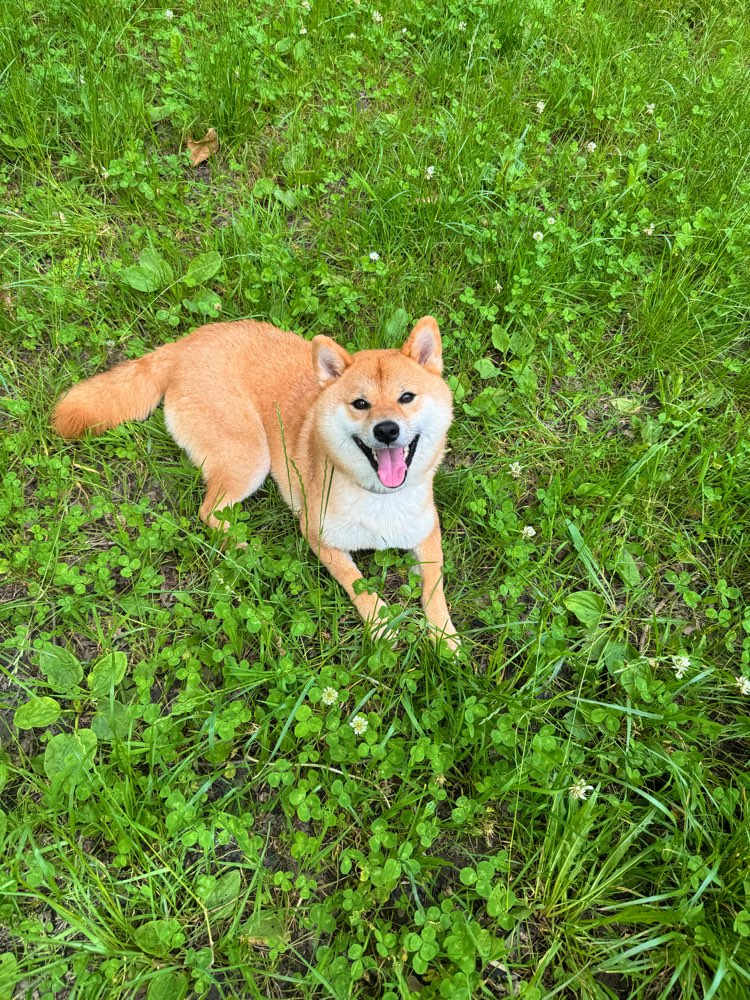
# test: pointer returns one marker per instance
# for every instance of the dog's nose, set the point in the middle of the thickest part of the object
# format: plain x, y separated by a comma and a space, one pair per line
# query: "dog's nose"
386, 431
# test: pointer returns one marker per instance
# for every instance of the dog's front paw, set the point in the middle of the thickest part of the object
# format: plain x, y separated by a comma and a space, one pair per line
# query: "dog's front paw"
445, 635
383, 628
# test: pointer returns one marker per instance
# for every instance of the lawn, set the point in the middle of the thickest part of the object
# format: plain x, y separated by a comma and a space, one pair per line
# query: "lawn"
561, 810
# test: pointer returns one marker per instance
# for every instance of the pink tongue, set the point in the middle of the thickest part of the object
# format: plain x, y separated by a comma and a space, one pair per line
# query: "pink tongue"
391, 466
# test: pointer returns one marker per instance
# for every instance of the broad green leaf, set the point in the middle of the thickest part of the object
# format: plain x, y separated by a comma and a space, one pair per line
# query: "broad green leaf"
263, 187
112, 722
70, 754
627, 568
487, 368
500, 901
61, 668
107, 673
521, 343
395, 328
168, 985
265, 929
500, 338
287, 198
150, 274
37, 713
15, 142
138, 279
203, 268
294, 158
155, 264
159, 937
205, 302
8, 975
624, 404
587, 606
225, 890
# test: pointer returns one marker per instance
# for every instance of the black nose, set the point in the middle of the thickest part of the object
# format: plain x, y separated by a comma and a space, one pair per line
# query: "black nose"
386, 431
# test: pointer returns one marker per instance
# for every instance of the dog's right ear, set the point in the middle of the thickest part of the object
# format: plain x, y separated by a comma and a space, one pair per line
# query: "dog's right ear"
329, 359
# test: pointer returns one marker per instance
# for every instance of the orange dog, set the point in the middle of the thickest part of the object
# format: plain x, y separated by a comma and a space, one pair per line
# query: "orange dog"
352, 441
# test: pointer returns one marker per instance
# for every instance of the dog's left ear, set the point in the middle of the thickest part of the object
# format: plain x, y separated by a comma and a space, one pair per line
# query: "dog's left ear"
423, 345
329, 359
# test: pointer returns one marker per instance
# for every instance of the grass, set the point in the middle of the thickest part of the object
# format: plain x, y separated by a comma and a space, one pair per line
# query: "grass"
182, 815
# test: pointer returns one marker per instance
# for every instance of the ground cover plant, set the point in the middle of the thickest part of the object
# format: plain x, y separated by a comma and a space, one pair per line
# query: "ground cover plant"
213, 784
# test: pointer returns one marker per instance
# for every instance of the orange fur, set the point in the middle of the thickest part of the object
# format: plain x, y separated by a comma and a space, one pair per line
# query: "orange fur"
128, 392
246, 399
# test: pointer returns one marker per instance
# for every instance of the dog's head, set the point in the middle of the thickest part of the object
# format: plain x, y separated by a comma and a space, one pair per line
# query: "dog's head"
383, 415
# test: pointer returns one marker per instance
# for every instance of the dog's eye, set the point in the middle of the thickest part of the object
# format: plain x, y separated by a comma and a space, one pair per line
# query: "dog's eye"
361, 404
406, 397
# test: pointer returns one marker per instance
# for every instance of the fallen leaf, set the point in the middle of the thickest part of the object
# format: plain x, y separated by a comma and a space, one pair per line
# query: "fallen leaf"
7, 300
203, 148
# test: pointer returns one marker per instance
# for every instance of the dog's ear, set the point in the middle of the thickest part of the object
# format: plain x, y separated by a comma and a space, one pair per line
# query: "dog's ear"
423, 345
329, 359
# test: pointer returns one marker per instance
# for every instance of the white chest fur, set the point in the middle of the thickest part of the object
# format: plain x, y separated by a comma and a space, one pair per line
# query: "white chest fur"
356, 519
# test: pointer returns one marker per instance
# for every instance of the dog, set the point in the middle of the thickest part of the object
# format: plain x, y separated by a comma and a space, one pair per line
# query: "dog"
352, 440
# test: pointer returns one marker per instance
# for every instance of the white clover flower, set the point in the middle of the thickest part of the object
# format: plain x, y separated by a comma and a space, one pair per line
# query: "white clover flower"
538, 236
429, 173
649, 230
303, 31
169, 14
528, 532
377, 17
329, 696
650, 108
216, 306
351, 35
743, 684
551, 220
306, 6
680, 665
104, 173
498, 287
540, 106
404, 31
515, 470
462, 25
374, 256
359, 724
579, 790
590, 147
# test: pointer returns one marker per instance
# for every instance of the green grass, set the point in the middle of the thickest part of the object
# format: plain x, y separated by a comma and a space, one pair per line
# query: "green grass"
180, 813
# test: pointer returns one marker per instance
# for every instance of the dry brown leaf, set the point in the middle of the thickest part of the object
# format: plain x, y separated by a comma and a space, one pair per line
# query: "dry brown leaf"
7, 300
203, 148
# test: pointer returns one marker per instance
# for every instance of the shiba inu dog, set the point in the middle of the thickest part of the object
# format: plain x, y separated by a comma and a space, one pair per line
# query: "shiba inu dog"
352, 440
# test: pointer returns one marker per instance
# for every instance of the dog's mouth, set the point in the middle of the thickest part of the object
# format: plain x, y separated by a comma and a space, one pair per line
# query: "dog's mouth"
389, 464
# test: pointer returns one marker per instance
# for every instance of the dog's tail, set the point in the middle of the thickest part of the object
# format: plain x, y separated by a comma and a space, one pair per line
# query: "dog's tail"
128, 392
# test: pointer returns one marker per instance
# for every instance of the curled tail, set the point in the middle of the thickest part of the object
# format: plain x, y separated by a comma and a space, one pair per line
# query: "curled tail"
128, 392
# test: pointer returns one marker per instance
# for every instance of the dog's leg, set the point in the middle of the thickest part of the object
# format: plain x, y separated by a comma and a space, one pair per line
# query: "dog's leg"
235, 460
342, 567
429, 554
228, 485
